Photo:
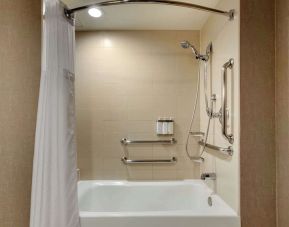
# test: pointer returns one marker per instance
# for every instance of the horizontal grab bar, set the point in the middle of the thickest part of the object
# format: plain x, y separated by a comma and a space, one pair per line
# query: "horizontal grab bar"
227, 151
127, 161
126, 141
197, 134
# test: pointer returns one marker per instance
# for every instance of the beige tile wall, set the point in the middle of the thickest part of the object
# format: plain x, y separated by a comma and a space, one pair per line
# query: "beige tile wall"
282, 111
125, 81
257, 86
224, 35
20, 51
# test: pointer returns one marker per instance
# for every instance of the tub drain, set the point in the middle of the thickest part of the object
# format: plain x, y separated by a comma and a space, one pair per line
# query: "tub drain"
210, 201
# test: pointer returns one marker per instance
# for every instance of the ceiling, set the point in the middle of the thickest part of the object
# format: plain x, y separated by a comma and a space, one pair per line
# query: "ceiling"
142, 16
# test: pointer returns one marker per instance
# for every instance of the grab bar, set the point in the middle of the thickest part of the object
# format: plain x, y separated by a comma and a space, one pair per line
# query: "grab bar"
197, 134
227, 151
126, 141
127, 161
223, 110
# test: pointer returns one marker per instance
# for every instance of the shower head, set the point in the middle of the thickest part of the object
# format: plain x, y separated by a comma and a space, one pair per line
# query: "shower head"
185, 44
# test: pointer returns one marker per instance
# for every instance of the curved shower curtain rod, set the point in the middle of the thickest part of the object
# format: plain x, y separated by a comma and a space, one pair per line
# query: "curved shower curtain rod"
69, 12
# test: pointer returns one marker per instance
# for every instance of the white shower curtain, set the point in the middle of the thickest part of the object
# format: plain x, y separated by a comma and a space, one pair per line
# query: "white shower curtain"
54, 187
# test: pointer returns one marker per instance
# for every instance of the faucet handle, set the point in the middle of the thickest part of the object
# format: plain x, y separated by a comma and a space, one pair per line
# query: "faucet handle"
209, 176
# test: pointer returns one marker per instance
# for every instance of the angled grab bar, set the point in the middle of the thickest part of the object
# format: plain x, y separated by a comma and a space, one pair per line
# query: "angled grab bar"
226, 151
223, 110
127, 161
126, 141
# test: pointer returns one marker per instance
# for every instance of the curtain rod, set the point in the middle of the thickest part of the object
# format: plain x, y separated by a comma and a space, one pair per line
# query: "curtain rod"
69, 12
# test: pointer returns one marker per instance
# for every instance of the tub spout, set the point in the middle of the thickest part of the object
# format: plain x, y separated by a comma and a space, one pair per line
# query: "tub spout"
209, 176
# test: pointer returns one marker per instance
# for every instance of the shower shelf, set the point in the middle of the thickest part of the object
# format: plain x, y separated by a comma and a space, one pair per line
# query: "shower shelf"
225, 151
126, 141
127, 161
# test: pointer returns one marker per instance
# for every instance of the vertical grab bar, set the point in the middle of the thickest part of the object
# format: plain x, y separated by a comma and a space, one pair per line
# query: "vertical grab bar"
223, 110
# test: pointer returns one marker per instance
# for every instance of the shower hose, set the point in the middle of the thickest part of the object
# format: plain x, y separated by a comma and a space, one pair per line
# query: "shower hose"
209, 111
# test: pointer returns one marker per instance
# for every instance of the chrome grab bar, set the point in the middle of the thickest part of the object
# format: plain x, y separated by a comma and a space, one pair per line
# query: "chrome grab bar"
127, 161
227, 151
126, 141
223, 110
197, 134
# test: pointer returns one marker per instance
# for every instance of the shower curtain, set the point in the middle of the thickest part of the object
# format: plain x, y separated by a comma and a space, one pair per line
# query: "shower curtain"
54, 186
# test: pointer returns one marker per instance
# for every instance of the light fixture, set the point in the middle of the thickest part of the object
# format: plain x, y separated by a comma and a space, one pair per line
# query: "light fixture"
95, 12
107, 43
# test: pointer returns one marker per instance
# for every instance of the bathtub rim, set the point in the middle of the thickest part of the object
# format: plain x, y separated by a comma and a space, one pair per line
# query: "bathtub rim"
146, 182
231, 213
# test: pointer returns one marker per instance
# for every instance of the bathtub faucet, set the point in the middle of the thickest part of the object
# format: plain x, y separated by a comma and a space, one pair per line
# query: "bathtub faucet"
209, 176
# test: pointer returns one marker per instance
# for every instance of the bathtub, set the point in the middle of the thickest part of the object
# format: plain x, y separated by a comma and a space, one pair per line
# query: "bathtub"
152, 204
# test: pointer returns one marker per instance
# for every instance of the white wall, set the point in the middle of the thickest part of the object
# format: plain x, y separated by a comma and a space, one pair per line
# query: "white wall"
224, 35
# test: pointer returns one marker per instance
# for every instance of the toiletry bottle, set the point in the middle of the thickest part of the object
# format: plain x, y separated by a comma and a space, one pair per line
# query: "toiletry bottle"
159, 126
171, 126
165, 126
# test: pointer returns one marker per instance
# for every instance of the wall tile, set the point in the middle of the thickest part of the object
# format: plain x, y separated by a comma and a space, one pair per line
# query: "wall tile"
122, 90
224, 35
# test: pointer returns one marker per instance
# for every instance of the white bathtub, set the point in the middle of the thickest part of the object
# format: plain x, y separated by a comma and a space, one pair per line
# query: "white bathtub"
152, 204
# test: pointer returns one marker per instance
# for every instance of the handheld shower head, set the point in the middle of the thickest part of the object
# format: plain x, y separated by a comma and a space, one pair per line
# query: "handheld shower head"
185, 44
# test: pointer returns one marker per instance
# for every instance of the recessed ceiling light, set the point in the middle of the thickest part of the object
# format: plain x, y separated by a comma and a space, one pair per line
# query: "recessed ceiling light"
107, 43
95, 12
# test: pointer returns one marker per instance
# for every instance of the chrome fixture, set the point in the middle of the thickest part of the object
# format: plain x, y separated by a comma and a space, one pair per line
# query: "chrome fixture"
209, 109
197, 134
126, 141
225, 151
186, 44
208, 176
69, 13
127, 161
209, 99
197, 159
224, 107
210, 200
